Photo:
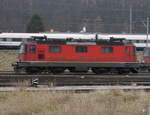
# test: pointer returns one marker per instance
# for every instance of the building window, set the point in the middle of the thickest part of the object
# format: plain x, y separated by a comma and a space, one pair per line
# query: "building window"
137, 41
107, 49
133, 41
9, 39
17, 39
81, 49
54, 49
3, 39
32, 49
146, 41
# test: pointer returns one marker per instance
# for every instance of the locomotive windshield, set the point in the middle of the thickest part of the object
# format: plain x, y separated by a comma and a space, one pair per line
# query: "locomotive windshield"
23, 49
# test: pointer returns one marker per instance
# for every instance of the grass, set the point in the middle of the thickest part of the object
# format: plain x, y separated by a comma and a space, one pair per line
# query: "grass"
7, 57
66, 103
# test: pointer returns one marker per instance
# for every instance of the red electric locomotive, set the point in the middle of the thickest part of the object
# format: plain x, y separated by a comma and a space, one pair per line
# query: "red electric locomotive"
77, 55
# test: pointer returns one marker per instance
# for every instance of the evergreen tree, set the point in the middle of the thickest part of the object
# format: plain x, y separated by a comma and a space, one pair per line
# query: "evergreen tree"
35, 25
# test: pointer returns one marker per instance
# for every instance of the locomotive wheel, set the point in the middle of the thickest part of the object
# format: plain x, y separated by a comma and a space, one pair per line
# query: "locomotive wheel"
73, 70
100, 71
123, 71
33, 70
134, 70
57, 70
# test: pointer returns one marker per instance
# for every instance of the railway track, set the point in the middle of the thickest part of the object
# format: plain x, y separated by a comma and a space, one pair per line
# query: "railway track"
70, 79
68, 73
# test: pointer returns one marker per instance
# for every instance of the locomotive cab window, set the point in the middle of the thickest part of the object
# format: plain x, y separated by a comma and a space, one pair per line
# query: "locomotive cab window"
81, 49
23, 49
54, 49
107, 49
32, 49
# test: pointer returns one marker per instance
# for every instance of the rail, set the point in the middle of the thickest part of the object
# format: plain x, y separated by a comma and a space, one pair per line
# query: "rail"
70, 79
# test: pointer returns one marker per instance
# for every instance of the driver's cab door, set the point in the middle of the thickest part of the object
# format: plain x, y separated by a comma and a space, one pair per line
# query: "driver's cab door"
32, 52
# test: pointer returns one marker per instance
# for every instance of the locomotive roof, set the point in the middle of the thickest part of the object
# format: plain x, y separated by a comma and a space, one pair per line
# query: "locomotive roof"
71, 41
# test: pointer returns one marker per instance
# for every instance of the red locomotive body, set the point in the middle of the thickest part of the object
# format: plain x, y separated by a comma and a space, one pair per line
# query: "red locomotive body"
77, 55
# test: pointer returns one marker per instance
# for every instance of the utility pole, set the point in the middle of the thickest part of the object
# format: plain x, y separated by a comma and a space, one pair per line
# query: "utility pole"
31, 7
147, 32
130, 20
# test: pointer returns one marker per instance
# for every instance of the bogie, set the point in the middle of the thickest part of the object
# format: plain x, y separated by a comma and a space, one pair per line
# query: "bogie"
100, 70
123, 71
75, 70
57, 70
33, 70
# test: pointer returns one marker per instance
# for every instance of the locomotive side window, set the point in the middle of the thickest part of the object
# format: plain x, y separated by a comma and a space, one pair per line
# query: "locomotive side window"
107, 49
81, 49
54, 48
32, 49
127, 50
